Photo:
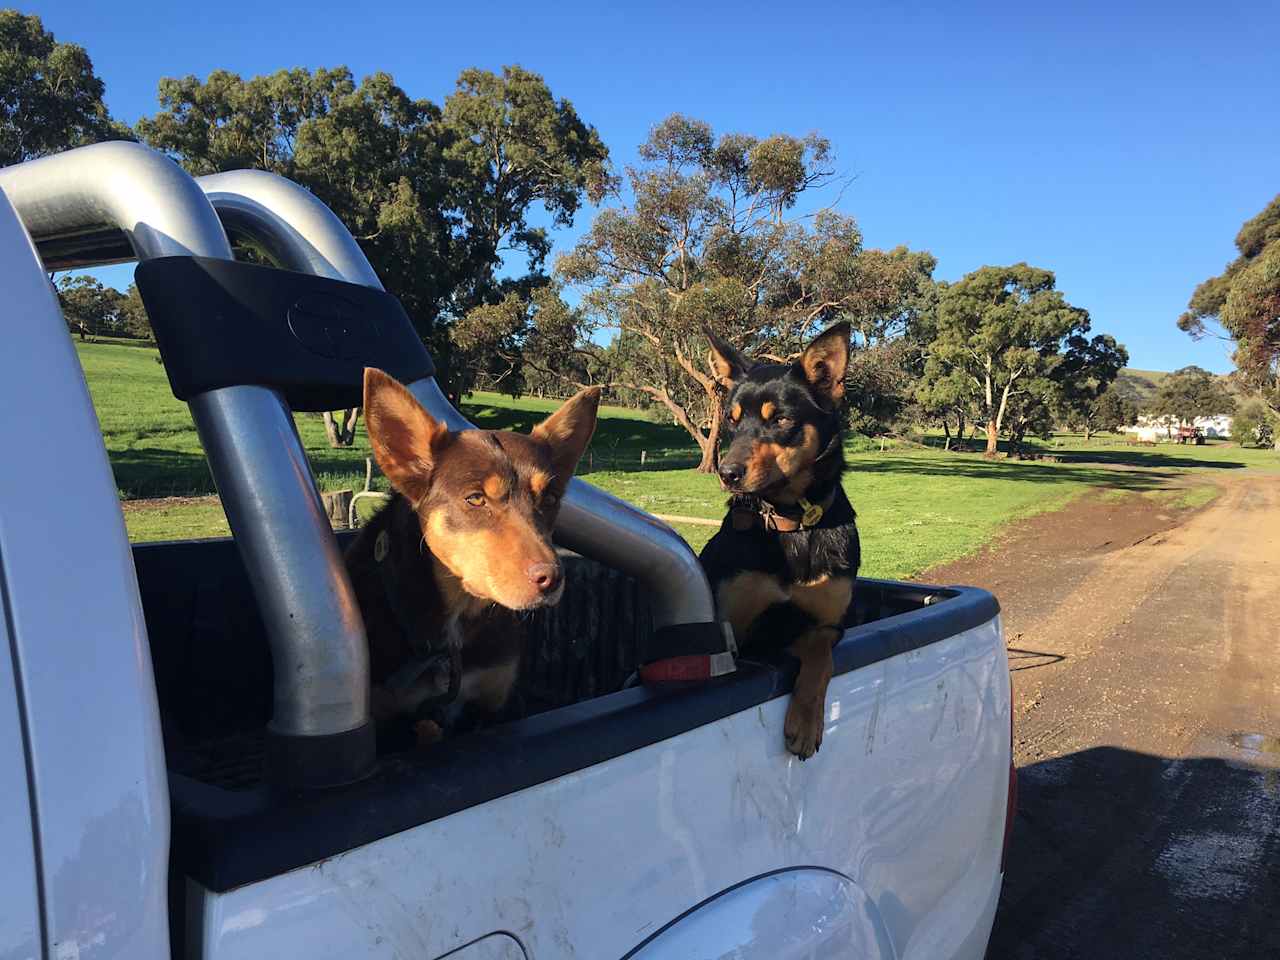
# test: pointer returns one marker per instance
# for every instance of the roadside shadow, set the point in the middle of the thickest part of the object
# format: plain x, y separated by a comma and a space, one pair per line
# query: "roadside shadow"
159, 472
1117, 853
1144, 459
964, 465
146, 472
624, 433
1038, 658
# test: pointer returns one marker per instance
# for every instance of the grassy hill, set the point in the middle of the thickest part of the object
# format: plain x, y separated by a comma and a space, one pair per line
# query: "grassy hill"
1142, 383
1145, 383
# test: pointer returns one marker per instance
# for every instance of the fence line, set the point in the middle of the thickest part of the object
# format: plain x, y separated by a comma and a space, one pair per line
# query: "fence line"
488, 383
599, 459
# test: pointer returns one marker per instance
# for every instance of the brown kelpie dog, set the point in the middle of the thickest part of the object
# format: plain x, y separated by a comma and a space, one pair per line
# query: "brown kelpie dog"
784, 561
464, 544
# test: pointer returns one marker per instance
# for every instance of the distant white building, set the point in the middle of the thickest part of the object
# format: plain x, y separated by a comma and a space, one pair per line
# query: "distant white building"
1219, 425
1163, 428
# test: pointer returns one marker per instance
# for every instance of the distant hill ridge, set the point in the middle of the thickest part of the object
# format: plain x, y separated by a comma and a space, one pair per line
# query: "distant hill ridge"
1143, 384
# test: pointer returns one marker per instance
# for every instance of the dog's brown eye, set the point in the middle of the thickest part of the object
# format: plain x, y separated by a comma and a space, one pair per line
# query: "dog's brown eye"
549, 500
476, 499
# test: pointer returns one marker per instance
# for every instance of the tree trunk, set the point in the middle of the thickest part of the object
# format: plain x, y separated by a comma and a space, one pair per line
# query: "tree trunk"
1088, 432
710, 462
993, 430
341, 433
338, 506
349, 420
997, 421
1017, 433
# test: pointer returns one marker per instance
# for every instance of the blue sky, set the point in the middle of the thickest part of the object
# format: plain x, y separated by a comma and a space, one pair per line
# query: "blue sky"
1120, 145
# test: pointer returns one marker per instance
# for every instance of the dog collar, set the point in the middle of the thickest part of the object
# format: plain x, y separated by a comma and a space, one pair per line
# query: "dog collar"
812, 512
761, 513
751, 511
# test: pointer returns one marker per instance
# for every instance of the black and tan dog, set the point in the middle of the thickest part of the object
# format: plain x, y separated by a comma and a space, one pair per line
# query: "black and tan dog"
784, 561
464, 545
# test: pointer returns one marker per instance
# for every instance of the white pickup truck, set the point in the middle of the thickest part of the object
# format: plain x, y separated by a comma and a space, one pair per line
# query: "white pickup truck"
187, 767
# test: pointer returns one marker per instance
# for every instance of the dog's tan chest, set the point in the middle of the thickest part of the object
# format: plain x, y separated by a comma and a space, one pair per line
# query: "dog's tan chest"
743, 597
826, 599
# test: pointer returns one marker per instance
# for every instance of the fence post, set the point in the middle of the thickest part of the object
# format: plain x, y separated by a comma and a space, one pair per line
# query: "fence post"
642, 456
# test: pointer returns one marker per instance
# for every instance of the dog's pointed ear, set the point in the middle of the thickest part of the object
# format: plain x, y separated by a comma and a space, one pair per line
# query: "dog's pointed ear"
568, 431
729, 364
406, 440
825, 362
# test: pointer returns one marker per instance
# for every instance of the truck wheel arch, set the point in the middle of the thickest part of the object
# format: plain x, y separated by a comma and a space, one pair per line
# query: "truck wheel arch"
799, 913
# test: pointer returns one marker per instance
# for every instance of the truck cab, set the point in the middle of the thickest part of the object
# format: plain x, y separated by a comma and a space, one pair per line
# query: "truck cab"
186, 759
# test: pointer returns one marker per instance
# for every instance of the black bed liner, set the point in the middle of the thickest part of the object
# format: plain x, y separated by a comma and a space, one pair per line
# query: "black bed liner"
230, 829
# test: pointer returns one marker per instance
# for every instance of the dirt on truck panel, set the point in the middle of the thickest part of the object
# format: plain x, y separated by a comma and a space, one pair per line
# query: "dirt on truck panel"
1145, 647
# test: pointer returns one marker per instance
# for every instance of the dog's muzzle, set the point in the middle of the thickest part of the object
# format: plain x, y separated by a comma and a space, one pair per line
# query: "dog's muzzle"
732, 475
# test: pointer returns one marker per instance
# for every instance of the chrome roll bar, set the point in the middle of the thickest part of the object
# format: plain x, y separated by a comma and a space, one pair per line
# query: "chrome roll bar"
300, 233
113, 202
82, 200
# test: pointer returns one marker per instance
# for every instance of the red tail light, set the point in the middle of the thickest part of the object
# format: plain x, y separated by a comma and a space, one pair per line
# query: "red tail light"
1011, 800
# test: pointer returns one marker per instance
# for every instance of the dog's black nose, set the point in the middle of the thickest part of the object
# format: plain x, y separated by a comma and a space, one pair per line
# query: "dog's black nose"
544, 576
732, 473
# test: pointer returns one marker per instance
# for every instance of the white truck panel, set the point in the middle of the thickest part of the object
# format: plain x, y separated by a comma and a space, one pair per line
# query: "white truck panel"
498, 946
78, 641
19, 902
754, 922
593, 863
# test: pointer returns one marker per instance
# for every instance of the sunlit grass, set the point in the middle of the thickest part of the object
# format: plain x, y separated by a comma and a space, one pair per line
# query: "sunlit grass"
917, 505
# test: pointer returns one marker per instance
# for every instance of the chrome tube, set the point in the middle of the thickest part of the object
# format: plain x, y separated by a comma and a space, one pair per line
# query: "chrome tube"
318, 646
110, 186
319, 654
301, 233
290, 223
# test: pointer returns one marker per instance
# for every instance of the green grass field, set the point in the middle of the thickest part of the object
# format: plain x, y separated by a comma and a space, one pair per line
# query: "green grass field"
155, 451
917, 505
175, 520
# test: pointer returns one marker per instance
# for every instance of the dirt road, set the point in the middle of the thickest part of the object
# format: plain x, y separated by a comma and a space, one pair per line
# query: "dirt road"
1145, 645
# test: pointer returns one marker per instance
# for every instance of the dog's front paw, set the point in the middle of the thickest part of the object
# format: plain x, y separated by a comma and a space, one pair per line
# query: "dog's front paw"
426, 733
803, 728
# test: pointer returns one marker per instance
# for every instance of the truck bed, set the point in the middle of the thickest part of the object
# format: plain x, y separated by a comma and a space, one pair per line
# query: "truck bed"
213, 676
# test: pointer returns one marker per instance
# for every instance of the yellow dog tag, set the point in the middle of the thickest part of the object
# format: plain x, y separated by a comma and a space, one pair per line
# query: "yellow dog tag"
812, 513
